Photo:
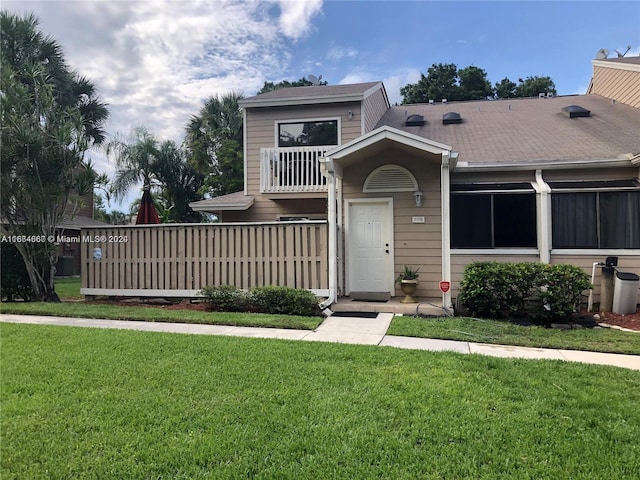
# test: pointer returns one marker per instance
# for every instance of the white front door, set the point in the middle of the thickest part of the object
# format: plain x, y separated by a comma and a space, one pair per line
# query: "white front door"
369, 246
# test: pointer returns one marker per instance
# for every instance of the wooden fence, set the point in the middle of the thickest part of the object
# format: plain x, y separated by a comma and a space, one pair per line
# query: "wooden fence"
179, 259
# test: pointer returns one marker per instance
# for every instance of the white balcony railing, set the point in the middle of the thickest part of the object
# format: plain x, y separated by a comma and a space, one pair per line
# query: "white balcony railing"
292, 169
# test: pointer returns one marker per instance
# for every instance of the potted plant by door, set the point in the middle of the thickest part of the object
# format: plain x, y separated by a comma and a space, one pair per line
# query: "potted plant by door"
408, 281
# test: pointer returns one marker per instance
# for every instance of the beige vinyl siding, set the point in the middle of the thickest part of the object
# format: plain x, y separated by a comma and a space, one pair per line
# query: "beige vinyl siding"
265, 210
617, 84
417, 244
373, 107
261, 133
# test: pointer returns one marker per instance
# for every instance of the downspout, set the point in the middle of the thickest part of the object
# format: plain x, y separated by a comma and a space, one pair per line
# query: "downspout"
340, 249
446, 227
328, 171
543, 202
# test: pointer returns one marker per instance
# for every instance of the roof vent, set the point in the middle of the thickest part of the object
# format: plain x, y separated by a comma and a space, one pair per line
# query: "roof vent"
415, 120
451, 117
576, 111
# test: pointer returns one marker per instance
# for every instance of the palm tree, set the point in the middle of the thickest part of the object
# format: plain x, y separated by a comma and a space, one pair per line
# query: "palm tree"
219, 119
136, 159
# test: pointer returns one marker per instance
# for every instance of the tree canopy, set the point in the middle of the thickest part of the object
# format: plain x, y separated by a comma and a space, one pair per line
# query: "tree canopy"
51, 116
214, 145
446, 81
161, 166
303, 82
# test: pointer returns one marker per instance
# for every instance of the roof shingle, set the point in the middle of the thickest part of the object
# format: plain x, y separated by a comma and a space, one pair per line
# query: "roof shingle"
527, 130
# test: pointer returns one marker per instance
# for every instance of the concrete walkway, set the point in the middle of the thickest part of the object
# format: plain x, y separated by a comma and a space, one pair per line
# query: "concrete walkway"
363, 331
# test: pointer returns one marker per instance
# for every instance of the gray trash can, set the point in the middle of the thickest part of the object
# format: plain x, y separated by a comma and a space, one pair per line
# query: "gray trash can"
625, 293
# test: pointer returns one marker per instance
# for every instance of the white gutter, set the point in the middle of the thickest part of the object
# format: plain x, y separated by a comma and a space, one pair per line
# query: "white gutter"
625, 160
328, 170
543, 204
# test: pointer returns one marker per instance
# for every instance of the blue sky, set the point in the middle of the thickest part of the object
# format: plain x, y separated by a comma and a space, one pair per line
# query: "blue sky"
155, 62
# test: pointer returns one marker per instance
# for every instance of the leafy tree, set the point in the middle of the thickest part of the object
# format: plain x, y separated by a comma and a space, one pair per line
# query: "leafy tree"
440, 82
303, 82
532, 86
473, 84
227, 174
51, 116
505, 88
470, 83
100, 212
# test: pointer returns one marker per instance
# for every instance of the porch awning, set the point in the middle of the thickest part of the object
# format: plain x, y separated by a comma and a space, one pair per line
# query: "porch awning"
233, 201
382, 138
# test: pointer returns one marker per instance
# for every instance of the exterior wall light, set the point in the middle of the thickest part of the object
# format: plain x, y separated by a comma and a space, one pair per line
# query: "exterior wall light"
418, 196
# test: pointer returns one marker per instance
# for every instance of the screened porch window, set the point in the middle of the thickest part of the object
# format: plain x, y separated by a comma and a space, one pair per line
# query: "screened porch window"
308, 134
597, 219
493, 220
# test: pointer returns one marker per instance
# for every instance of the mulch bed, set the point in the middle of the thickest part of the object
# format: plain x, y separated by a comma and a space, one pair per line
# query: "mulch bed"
629, 321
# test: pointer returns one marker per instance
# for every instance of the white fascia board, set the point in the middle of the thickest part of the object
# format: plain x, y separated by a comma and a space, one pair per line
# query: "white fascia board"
622, 161
201, 206
293, 101
632, 67
390, 133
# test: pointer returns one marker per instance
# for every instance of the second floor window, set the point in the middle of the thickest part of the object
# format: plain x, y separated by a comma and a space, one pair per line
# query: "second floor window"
308, 134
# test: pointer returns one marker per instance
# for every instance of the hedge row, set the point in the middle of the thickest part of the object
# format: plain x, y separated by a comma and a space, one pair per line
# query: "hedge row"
541, 292
277, 300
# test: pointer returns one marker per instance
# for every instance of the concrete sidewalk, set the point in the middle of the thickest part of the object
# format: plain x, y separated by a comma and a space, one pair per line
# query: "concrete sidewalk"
363, 331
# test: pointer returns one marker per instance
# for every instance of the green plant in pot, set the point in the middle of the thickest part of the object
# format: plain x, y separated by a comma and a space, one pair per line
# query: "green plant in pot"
408, 281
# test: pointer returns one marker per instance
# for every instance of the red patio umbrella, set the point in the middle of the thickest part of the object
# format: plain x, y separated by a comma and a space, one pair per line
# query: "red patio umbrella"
147, 214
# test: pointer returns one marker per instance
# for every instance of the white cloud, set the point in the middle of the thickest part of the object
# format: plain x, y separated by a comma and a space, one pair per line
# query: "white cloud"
396, 81
337, 53
154, 62
295, 19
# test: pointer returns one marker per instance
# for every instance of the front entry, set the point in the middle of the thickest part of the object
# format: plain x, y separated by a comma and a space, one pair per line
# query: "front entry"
369, 243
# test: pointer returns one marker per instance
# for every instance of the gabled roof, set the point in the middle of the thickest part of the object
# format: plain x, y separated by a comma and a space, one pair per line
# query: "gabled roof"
313, 95
530, 130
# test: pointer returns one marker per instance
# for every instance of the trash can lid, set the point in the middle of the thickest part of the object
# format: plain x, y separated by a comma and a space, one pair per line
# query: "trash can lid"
631, 277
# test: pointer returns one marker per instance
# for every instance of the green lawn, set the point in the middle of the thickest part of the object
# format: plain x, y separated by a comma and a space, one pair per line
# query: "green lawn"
159, 314
505, 333
68, 288
85, 403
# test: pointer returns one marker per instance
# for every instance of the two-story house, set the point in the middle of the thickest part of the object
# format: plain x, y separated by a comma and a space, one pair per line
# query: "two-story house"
443, 184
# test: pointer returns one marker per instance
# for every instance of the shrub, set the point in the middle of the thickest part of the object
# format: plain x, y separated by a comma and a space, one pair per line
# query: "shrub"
285, 300
502, 290
14, 279
225, 298
498, 290
564, 286
277, 300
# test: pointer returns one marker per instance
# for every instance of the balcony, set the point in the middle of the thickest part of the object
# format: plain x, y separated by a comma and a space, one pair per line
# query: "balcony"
292, 170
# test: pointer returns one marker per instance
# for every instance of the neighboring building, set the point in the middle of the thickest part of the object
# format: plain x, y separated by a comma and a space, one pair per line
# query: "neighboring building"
441, 185
78, 214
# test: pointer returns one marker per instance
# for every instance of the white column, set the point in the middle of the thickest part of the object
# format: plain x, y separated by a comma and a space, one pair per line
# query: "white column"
446, 227
543, 217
